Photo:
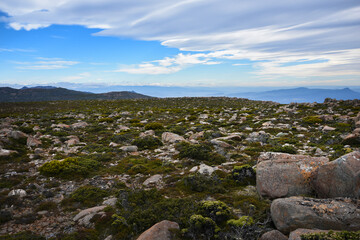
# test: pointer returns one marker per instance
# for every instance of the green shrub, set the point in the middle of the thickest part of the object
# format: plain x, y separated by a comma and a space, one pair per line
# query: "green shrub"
147, 142
343, 235
202, 183
284, 149
199, 152
216, 210
69, 168
22, 236
201, 227
241, 222
87, 196
154, 126
141, 209
136, 164
312, 120
244, 174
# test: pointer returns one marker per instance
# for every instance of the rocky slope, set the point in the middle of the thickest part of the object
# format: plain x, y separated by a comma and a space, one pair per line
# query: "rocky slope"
213, 168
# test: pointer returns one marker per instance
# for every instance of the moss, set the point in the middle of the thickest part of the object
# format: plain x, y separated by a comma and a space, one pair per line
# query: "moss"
244, 174
241, 222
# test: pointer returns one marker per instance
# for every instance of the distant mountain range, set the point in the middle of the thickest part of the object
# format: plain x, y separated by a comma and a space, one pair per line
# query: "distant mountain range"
301, 94
49, 93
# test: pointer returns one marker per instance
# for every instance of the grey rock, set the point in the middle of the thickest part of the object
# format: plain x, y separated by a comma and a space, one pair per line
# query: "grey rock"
296, 235
339, 178
84, 217
160, 231
32, 142
284, 175
204, 169
273, 235
129, 148
289, 214
168, 137
17, 192
154, 181
110, 202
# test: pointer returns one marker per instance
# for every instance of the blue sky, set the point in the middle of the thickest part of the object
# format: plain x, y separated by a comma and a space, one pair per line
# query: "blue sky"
181, 43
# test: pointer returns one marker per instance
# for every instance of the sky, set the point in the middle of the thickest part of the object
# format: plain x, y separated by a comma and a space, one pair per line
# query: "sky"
180, 43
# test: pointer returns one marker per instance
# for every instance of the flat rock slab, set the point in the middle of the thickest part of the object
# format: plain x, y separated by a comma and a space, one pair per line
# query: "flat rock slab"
339, 178
284, 175
289, 214
160, 231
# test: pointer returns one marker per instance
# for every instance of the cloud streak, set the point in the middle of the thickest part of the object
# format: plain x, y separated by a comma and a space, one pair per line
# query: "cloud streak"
45, 64
277, 36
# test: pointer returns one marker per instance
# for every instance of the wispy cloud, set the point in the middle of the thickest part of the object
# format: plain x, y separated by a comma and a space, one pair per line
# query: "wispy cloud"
45, 64
16, 50
169, 65
272, 34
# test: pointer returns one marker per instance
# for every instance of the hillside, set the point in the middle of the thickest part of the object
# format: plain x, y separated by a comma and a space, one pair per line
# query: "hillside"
37, 94
215, 168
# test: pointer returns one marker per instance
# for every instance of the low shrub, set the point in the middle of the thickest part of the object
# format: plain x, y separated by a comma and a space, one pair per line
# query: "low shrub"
244, 174
284, 149
241, 222
154, 126
199, 152
69, 168
343, 235
147, 142
312, 120
87, 196
216, 210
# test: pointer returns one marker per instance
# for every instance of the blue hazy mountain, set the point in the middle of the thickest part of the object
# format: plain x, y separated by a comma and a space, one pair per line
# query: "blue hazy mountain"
301, 94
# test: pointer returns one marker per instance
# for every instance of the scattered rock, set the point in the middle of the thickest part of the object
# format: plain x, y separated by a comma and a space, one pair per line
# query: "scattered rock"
5, 152
204, 169
339, 178
258, 137
110, 202
289, 214
17, 192
32, 142
129, 148
284, 175
273, 235
17, 134
84, 217
169, 137
328, 129
160, 231
154, 181
80, 125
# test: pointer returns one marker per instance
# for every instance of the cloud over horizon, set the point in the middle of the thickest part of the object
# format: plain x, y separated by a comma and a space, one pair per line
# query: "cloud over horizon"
279, 38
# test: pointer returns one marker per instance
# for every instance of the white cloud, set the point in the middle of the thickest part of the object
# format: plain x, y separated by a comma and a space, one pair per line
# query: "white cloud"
324, 32
45, 64
169, 65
